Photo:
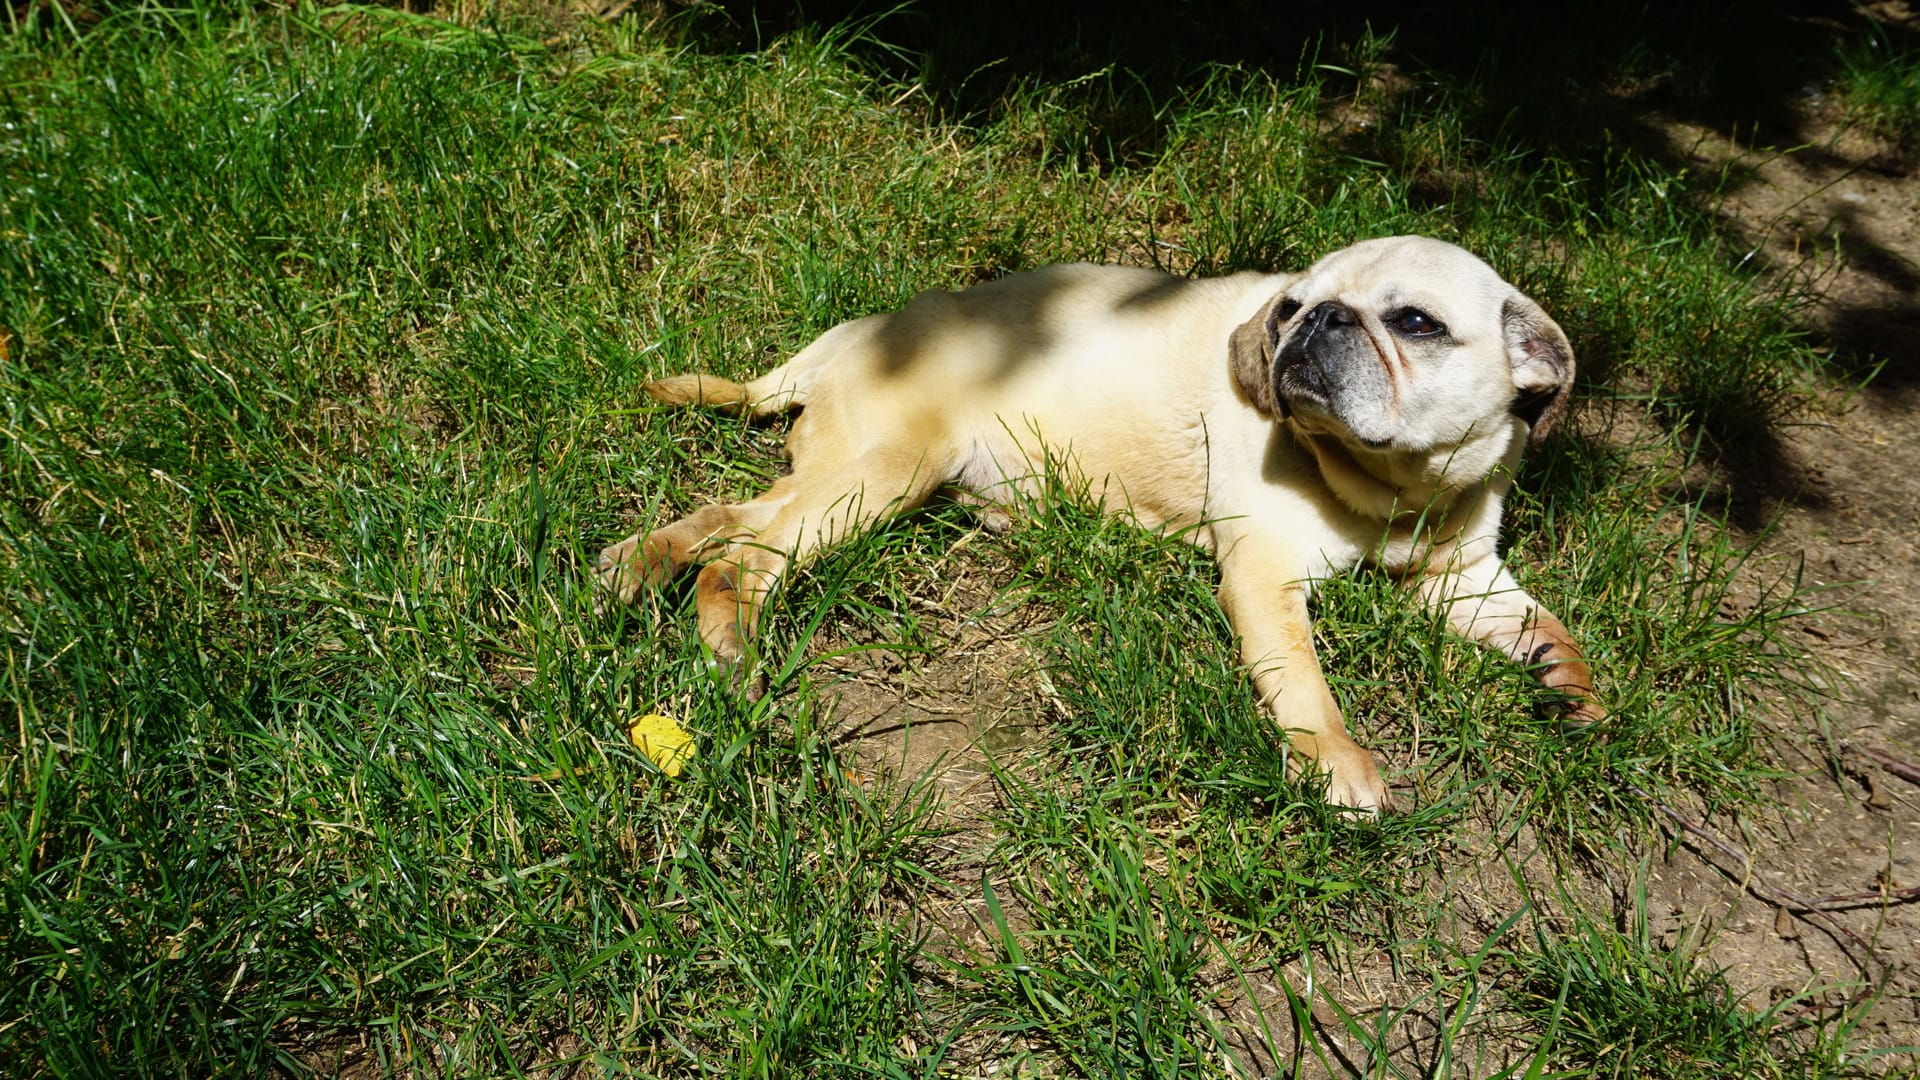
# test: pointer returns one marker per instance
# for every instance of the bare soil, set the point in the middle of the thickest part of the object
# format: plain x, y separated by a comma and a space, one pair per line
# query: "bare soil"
1843, 501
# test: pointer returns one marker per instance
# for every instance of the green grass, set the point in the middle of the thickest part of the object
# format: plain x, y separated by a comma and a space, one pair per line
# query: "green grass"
325, 332
1879, 87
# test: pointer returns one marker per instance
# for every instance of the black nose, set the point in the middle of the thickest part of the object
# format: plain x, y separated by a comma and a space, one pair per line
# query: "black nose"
1328, 314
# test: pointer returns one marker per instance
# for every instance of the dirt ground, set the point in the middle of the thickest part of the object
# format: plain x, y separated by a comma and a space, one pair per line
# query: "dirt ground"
1841, 500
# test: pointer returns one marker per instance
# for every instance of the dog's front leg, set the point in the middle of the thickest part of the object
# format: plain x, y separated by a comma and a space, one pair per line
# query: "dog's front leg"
1484, 603
1263, 590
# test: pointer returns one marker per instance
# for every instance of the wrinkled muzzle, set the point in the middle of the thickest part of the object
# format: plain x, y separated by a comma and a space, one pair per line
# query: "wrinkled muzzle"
1329, 368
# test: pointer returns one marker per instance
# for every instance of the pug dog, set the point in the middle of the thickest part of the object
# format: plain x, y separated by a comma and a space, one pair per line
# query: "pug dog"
1372, 408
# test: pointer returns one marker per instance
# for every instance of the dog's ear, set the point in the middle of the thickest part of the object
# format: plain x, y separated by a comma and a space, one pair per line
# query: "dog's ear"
1542, 366
1250, 350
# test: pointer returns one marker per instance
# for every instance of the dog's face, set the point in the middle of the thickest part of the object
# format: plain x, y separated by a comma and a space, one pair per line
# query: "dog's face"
1407, 348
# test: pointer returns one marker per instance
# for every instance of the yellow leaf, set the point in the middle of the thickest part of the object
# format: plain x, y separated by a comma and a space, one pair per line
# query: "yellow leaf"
664, 740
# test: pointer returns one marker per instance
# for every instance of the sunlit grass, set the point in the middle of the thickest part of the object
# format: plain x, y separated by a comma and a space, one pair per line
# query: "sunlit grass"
325, 331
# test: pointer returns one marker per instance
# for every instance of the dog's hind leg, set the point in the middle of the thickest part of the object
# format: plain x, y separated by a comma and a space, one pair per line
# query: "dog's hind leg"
835, 505
651, 559
654, 558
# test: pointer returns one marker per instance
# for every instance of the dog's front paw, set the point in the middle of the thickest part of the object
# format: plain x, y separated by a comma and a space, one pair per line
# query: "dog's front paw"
1353, 779
1558, 665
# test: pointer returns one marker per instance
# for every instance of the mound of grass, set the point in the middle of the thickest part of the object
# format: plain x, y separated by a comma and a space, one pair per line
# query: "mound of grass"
324, 331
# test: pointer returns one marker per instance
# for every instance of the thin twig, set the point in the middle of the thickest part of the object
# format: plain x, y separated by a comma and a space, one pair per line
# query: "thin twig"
1862, 899
1817, 1008
1752, 880
1909, 773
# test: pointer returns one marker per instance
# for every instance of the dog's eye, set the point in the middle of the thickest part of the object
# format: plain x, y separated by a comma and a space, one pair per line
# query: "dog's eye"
1415, 323
1288, 309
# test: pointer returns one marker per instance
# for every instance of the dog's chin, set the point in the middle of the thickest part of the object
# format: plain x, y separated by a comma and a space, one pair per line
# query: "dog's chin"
1315, 416
1305, 395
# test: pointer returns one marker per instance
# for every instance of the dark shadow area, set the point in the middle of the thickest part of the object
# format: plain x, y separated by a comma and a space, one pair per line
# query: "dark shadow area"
1752, 486
1875, 341
1870, 333
1574, 78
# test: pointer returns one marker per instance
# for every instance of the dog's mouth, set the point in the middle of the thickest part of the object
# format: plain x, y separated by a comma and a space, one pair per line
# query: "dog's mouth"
1306, 395
1326, 376
1322, 424
1299, 384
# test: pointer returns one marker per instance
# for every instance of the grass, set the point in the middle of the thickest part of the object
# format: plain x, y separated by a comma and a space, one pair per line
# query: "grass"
1879, 87
324, 336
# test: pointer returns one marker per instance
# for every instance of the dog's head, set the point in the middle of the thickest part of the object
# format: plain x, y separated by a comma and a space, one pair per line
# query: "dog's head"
1405, 345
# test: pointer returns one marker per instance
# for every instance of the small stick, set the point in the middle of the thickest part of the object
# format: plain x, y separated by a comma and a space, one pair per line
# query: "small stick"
1859, 899
1909, 773
1751, 880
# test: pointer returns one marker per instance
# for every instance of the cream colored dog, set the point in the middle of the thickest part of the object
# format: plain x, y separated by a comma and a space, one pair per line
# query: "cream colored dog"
1372, 408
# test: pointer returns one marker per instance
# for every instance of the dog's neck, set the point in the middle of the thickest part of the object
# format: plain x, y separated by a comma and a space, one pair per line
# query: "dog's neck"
1388, 487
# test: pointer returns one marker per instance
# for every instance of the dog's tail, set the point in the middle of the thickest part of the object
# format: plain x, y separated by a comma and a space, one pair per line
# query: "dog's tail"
699, 390
758, 398
785, 387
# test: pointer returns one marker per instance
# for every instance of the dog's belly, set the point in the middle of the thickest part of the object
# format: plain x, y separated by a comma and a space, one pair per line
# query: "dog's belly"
1108, 473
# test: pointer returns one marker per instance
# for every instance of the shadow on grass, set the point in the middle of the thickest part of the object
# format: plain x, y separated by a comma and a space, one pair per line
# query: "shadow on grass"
1573, 79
